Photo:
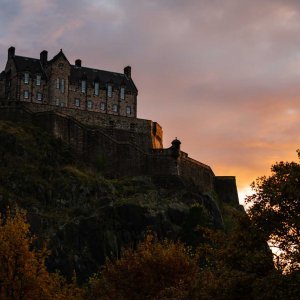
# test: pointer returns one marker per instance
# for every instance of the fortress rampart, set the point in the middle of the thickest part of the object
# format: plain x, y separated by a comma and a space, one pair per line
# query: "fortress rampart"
121, 149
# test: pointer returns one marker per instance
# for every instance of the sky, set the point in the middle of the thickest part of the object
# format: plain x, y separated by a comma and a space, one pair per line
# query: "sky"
221, 75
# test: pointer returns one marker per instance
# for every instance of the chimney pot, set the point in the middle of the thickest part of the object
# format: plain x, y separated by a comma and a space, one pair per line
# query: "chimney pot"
78, 63
127, 71
44, 57
11, 52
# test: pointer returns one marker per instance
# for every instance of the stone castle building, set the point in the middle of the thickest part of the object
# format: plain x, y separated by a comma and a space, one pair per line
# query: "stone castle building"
95, 112
57, 82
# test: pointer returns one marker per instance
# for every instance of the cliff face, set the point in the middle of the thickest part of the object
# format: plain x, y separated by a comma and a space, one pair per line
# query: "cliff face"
85, 217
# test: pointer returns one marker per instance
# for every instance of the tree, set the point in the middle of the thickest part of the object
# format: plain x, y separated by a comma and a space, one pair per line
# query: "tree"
232, 262
23, 274
275, 211
155, 270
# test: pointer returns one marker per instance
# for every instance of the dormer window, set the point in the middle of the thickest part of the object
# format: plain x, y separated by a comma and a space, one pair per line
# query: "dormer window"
97, 88
109, 90
38, 79
26, 78
83, 86
122, 93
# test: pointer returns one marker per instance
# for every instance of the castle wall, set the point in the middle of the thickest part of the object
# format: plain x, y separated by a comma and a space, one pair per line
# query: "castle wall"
117, 152
145, 133
225, 186
199, 174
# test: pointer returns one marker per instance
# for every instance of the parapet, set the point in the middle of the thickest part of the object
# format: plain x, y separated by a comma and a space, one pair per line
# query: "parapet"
225, 186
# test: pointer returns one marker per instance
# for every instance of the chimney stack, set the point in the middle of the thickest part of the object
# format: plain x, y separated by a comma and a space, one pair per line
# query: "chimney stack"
11, 52
78, 63
44, 57
127, 71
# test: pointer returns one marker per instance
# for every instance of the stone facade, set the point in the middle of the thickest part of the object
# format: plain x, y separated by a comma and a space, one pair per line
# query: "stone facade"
78, 105
57, 82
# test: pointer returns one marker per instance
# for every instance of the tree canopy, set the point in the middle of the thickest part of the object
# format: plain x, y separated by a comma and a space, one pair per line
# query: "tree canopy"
23, 273
275, 211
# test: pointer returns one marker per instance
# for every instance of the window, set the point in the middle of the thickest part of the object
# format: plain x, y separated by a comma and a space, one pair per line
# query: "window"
83, 86
57, 102
26, 94
128, 110
102, 106
62, 104
26, 78
39, 96
109, 90
97, 88
122, 93
38, 79
77, 102
89, 104
62, 85
115, 108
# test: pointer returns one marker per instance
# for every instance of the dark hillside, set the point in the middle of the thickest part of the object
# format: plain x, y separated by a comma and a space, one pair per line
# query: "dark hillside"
85, 217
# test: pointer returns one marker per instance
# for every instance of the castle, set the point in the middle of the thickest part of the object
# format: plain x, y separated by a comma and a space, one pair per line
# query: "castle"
95, 112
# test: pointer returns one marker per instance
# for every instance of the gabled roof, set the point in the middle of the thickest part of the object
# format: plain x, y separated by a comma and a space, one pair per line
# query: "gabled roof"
103, 77
58, 55
34, 66
29, 64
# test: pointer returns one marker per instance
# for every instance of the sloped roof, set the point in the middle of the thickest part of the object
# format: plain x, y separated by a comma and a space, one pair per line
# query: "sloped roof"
29, 64
103, 77
60, 53
34, 66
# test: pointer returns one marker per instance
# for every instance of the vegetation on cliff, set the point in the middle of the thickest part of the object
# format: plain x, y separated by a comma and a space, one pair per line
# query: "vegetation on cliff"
199, 248
85, 217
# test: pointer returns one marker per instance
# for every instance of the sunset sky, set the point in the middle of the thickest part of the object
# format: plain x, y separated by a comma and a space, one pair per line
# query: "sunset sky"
221, 75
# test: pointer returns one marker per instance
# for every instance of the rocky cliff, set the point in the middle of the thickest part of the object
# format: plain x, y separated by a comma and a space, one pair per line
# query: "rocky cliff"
85, 217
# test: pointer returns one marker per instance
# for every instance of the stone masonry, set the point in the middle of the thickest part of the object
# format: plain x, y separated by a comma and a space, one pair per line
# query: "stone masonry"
94, 111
